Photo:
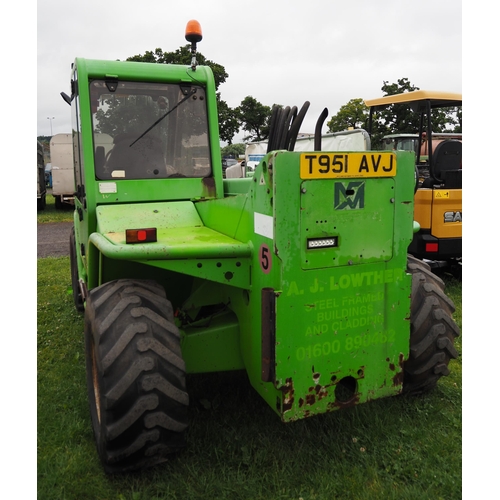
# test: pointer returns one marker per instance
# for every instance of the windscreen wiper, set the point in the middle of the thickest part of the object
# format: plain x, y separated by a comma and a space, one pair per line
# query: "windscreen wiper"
189, 94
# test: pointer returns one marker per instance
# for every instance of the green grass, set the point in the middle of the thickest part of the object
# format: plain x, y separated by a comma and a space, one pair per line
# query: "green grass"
395, 448
51, 214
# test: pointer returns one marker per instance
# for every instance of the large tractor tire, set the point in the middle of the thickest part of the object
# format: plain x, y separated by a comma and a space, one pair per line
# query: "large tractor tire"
136, 377
77, 295
432, 330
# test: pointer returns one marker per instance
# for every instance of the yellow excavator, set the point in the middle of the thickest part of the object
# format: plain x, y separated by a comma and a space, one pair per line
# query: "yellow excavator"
438, 188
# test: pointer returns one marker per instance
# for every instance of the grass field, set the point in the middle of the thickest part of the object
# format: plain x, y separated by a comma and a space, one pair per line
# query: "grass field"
395, 448
51, 214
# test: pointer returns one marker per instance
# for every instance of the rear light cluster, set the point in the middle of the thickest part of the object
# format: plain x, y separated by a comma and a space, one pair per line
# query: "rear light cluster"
431, 247
146, 235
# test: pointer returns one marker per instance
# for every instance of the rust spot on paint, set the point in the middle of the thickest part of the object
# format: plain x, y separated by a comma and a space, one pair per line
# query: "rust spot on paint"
288, 395
208, 186
316, 393
398, 378
310, 399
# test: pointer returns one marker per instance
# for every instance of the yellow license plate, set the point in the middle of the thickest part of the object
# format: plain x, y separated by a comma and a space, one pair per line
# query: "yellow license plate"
347, 165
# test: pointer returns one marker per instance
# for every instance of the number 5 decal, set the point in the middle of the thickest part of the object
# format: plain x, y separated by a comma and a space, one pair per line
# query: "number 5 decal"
265, 258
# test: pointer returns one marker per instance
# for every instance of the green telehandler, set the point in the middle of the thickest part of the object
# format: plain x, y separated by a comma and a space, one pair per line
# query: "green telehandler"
298, 275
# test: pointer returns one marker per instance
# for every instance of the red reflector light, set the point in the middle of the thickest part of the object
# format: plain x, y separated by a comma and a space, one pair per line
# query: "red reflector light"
431, 247
140, 235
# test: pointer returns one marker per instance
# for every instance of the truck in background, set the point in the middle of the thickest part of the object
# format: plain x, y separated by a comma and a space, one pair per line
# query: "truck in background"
61, 158
347, 140
41, 188
438, 197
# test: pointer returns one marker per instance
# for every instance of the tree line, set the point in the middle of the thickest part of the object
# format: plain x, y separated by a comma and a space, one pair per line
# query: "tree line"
253, 117
250, 116
397, 118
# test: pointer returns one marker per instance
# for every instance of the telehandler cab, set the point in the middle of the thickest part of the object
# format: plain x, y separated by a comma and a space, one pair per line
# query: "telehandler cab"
298, 275
438, 199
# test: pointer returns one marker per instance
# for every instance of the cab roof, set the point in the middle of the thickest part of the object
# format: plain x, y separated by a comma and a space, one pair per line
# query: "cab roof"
437, 99
142, 71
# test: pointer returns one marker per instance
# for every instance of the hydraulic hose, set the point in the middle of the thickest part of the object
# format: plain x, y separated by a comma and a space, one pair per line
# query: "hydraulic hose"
317, 130
294, 132
284, 127
272, 127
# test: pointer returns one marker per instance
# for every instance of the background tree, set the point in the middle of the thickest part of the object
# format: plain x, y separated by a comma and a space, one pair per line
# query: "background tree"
354, 114
457, 120
229, 124
182, 56
254, 119
232, 151
228, 117
397, 118
120, 115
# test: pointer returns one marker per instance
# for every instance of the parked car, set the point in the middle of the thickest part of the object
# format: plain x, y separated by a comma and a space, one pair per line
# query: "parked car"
228, 162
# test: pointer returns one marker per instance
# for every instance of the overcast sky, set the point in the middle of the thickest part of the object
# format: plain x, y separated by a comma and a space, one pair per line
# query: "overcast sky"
277, 51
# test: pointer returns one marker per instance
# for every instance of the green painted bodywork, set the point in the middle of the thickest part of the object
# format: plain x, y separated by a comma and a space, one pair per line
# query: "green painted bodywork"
339, 315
